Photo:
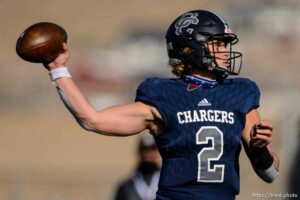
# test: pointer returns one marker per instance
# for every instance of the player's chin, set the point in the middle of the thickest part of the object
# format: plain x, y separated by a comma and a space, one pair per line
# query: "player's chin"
224, 65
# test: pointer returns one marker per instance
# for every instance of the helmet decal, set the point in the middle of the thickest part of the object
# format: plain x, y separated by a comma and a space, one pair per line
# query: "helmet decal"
185, 21
228, 30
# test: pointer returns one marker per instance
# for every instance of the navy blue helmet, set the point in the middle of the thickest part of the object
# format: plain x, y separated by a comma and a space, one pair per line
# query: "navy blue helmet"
194, 30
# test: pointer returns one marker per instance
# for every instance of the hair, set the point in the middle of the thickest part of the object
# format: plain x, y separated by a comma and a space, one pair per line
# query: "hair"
179, 68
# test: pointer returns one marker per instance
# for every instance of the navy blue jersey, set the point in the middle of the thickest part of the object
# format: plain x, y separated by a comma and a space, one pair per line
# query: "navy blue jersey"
201, 141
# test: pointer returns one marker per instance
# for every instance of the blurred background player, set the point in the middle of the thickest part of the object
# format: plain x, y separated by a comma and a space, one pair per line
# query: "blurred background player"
198, 119
143, 183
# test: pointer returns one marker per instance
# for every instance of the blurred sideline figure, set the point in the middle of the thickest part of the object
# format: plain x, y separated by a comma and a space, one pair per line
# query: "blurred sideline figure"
143, 183
198, 119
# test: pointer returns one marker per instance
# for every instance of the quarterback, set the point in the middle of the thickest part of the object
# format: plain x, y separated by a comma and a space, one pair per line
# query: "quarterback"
199, 120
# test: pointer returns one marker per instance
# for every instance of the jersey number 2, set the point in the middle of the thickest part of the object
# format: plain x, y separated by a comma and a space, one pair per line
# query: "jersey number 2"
207, 171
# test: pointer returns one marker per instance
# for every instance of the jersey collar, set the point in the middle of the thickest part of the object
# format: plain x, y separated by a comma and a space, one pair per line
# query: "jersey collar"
197, 82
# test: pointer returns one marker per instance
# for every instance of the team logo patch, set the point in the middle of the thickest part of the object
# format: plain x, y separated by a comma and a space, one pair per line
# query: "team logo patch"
186, 20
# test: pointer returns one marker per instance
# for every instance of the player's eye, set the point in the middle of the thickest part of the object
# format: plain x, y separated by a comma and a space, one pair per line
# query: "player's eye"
221, 44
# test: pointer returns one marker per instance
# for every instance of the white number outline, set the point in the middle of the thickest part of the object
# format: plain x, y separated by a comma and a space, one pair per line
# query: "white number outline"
209, 168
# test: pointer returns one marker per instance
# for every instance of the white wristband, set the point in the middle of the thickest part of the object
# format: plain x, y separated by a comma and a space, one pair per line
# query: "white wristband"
270, 174
59, 72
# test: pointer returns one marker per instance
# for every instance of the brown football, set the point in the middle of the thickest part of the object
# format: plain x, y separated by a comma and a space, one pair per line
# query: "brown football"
41, 42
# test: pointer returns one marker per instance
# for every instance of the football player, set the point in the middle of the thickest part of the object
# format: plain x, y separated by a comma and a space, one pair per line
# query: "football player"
198, 119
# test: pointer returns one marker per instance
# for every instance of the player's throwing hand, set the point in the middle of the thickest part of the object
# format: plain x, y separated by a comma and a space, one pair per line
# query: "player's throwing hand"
61, 60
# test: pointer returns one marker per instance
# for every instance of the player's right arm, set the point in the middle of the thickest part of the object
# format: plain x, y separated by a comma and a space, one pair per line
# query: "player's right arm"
122, 120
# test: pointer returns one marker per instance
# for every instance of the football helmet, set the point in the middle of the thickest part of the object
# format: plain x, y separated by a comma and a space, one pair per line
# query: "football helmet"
194, 30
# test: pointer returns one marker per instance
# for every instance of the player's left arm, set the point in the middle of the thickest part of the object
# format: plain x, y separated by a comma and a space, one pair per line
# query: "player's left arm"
257, 138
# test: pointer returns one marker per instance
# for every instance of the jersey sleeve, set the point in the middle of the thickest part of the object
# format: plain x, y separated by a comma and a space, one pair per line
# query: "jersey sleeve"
149, 92
143, 92
253, 96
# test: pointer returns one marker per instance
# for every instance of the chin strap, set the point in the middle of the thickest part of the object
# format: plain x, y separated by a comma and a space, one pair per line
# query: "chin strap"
220, 73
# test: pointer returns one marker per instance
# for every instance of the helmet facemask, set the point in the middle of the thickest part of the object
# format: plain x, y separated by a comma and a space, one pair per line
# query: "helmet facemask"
232, 59
213, 55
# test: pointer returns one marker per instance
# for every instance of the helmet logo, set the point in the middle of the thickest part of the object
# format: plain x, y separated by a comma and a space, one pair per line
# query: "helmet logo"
186, 20
228, 30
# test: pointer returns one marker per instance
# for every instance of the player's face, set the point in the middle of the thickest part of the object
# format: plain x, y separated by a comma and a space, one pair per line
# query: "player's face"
219, 52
